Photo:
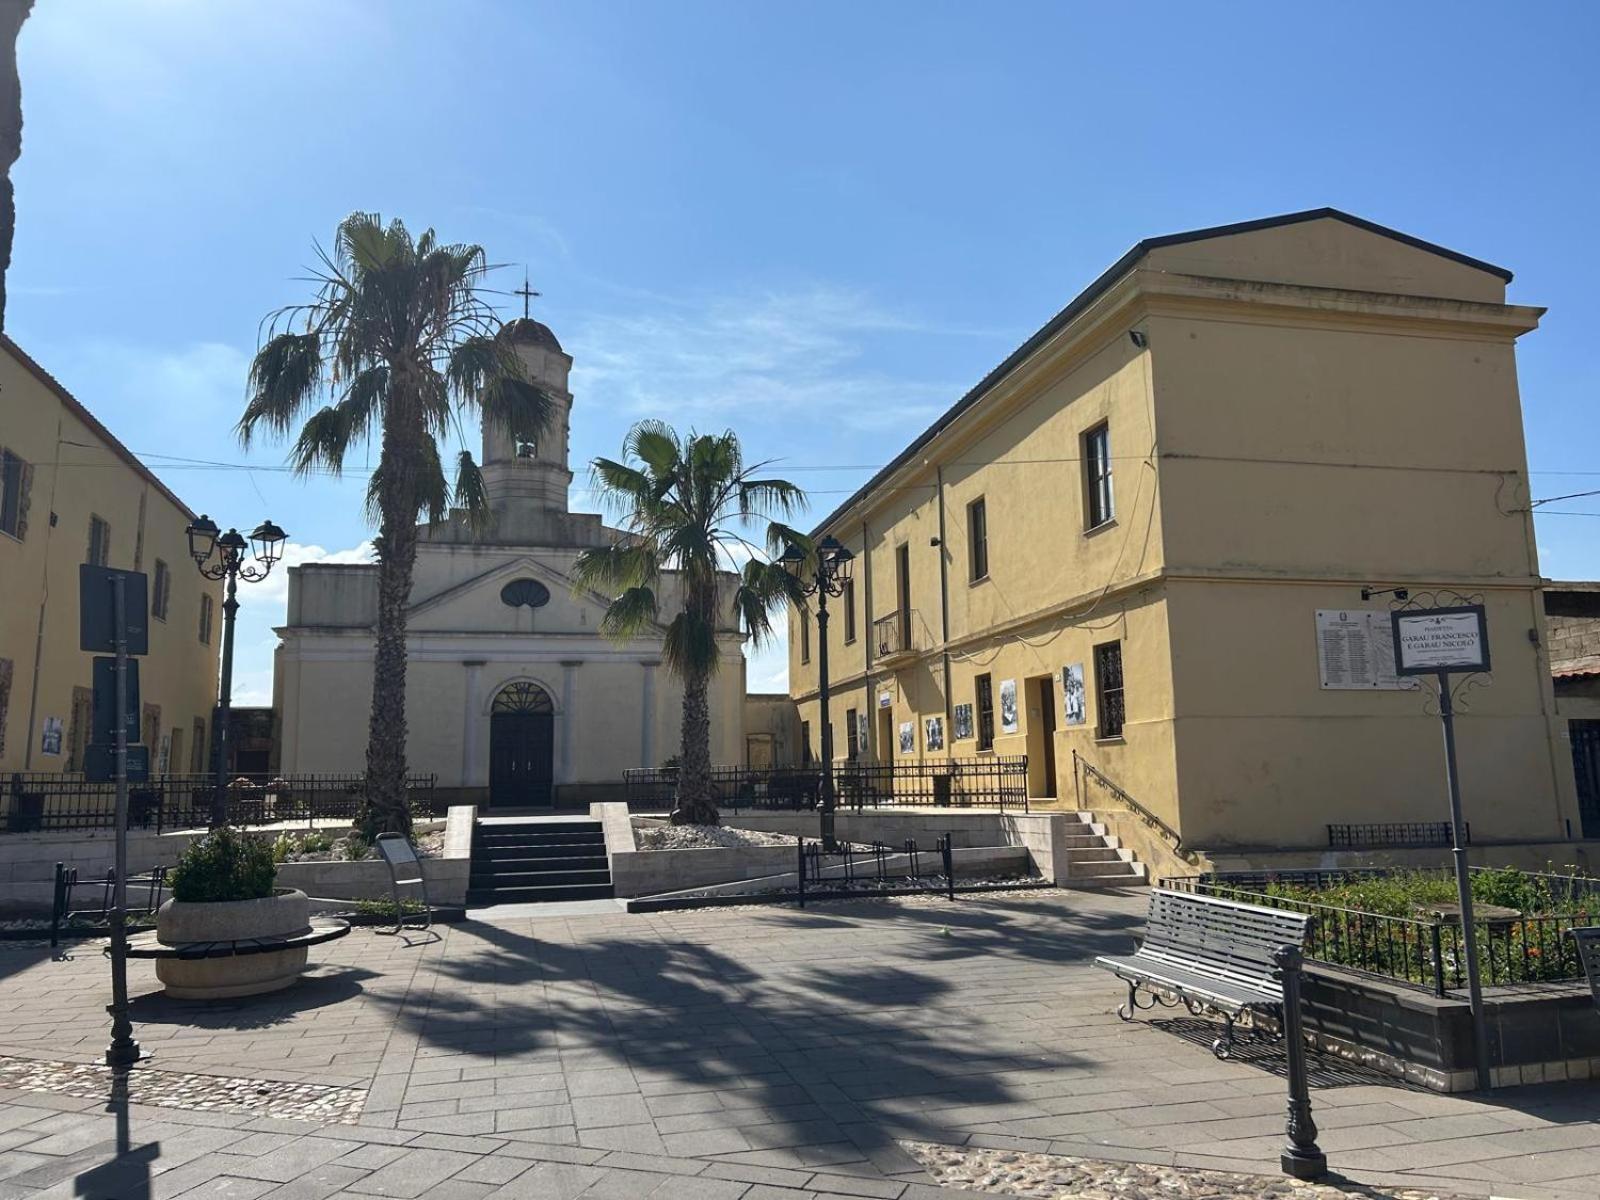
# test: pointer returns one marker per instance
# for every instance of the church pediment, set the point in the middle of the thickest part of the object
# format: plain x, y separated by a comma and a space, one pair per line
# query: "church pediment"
519, 595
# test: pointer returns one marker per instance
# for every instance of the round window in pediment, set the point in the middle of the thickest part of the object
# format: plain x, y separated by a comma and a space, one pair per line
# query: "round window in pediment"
528, 592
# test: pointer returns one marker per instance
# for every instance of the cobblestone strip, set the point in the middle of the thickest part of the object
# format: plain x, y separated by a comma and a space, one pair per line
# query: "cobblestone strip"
195, 1092
1053, 1176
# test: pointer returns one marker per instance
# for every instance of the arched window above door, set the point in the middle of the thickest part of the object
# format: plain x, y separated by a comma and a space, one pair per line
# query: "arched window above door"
523, 697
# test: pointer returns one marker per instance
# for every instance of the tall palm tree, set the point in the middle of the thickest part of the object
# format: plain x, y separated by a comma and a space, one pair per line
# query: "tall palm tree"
399, 344
686, 505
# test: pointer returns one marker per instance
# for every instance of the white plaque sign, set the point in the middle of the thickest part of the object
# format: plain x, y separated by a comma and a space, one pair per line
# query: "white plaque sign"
1355, 651
1429, 640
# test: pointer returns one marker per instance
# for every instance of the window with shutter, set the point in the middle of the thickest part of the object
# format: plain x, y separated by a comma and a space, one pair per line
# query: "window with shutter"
99, 542
161, 591
14, 479
5, 698
205, 619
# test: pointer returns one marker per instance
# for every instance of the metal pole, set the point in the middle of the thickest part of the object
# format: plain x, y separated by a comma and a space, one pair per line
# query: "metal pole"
219, 736
1301, 1158
829, 844
123, 1050
1469, 932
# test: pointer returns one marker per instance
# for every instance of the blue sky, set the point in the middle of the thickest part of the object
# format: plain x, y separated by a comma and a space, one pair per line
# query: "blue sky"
817, 223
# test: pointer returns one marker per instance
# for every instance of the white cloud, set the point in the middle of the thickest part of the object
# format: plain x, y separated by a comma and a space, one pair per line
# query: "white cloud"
786, 355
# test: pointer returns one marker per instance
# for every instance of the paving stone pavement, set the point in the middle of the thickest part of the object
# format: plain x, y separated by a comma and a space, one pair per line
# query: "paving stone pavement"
757, 1053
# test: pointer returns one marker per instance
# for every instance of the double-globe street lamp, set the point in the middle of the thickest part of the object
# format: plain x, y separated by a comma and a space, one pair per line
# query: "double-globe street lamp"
222, 556
822, 574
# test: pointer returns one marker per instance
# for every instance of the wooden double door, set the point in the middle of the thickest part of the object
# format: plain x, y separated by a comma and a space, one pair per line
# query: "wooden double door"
522, 748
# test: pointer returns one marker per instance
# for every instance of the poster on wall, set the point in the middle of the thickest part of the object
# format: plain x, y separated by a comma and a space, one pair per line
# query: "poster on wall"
933, 733
861, 732
50, 741
908, 737
961, 723
1073, 704
1008, 706
1355, 651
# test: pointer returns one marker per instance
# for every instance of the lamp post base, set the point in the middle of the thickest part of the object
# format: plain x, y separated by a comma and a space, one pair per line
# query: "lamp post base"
1304, 1164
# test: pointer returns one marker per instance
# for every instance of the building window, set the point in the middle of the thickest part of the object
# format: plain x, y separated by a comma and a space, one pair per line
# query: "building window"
161, 591
985, 713
99, 542
1098, 505
805, 636
805, 743
978, 539
852, 735
1108, 689
849, 602
174, 756
13, 495
197, 749
205, 618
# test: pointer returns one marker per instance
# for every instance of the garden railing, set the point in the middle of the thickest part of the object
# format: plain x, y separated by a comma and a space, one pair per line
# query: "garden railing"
993, 781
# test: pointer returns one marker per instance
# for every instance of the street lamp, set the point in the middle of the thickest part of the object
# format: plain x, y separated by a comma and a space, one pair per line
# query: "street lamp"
223, 557
822, 574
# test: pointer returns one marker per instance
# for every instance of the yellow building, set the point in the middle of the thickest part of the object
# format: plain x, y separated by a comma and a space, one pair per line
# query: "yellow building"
71, 493
1143, 540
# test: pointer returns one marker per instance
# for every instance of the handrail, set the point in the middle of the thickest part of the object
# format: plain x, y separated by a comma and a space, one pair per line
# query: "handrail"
1139, 810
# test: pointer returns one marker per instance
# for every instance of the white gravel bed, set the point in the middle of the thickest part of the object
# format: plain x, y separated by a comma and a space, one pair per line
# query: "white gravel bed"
1053, 1176
651, 836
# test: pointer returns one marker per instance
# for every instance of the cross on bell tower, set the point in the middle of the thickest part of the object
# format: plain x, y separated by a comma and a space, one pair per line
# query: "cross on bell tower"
527, 294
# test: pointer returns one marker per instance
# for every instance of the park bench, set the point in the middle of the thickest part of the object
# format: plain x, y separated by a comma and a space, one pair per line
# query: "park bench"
321, 929
1588, 939
1213, 956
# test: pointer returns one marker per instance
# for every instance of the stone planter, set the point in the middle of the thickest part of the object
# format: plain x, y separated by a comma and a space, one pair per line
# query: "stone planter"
285, 913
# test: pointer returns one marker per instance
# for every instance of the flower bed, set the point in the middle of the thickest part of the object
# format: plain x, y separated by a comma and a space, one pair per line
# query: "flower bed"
1400, 924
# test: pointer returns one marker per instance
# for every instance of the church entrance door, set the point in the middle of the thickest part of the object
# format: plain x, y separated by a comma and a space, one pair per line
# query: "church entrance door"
521, 748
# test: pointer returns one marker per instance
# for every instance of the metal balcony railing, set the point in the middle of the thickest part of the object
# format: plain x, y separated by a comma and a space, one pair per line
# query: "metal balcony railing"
892, 635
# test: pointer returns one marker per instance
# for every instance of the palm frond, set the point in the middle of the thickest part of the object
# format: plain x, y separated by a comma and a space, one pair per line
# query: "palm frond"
471, 495
284, 376
630, 614
690, 646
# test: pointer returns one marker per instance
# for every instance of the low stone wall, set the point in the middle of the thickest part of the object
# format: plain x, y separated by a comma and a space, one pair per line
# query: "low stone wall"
1529, 856
1536, 1034
368, 878
28, 862
985, 841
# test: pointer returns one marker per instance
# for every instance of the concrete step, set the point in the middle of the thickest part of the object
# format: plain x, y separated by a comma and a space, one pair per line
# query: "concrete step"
497, 852
500, 880
1096, 854
483, 897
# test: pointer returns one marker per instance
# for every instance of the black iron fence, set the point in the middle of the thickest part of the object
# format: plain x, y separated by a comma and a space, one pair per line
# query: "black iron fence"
40, 803
1418, 951
909, 868
1394, 833
992, 781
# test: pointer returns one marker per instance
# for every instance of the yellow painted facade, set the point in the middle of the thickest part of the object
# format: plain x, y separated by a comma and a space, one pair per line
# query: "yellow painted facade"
63, 473
1295, 409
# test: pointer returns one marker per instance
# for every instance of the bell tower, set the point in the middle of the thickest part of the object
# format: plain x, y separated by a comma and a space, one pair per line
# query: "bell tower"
532, 477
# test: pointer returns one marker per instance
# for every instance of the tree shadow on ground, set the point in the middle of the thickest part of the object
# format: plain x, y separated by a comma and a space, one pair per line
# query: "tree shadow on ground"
313, 991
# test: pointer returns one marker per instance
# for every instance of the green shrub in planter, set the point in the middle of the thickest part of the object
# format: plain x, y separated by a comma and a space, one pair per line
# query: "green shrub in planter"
224, 865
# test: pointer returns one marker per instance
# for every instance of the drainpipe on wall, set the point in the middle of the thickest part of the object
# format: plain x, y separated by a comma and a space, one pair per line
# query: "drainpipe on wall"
944, 607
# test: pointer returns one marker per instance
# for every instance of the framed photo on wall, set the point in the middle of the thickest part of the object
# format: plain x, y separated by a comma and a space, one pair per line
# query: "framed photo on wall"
1008, 706
1075, 709
961, 723
933, 733
908, 737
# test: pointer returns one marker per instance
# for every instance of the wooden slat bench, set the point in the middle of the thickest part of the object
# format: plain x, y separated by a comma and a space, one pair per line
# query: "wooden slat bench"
1212, 955
322, 929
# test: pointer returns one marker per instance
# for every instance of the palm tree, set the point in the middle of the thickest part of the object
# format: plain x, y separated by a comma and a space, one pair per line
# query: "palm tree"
398, 344
685, 505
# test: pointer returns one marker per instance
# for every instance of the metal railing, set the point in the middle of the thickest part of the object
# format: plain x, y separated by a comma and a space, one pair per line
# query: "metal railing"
990, 781
43, 803
878, 863
891, 635
1418, 951
1093, 775
1378, 835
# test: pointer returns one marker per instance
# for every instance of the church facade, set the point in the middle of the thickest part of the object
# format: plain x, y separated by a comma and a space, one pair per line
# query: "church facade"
514, 699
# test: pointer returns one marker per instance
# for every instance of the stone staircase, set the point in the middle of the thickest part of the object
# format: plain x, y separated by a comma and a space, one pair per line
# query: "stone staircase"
1095, 857
529, 862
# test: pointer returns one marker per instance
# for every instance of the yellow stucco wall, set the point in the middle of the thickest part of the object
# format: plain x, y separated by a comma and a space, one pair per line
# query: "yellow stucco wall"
1315, 408
79, 471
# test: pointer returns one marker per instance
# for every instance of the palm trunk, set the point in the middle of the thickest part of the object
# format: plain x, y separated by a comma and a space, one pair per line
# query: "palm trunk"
696, 803
385, 809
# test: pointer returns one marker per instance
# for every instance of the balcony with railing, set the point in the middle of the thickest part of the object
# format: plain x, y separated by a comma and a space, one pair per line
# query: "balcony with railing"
894, 638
